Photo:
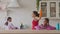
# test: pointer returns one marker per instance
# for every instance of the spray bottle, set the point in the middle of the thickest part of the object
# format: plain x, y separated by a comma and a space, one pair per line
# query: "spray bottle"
21, 26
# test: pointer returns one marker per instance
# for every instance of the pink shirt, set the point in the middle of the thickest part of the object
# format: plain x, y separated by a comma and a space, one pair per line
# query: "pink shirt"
49, 27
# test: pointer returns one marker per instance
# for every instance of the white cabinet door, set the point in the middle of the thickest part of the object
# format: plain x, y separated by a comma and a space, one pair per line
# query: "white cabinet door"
52, 9
44, 9
59, 9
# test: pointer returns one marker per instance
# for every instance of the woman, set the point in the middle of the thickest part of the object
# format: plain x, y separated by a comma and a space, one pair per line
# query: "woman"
9, 25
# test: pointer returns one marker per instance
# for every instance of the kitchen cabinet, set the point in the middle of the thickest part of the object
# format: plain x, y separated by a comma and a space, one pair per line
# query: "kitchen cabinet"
50, 9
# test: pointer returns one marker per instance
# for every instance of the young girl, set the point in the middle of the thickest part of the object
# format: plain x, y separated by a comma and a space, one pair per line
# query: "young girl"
36, 19
8, 25
46, 25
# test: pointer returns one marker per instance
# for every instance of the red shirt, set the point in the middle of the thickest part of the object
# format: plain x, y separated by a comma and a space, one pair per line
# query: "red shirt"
34, 23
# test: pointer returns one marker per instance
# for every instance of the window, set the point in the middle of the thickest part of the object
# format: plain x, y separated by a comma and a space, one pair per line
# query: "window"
44, 9
52, 9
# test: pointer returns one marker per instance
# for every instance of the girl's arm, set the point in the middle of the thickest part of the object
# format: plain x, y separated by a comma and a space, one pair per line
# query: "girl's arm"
12, 26
37, 18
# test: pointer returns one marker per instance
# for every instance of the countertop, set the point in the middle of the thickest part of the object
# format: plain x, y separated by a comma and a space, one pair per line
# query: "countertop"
29, 31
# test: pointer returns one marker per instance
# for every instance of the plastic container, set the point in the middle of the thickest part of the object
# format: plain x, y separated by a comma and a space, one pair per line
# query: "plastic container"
57, 26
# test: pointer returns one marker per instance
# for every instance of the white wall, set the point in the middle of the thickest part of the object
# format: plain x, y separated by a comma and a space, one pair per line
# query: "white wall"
24, 13
3, 15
